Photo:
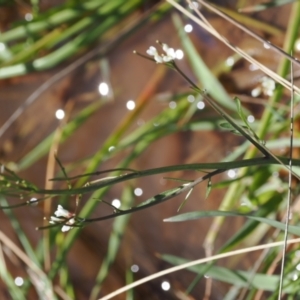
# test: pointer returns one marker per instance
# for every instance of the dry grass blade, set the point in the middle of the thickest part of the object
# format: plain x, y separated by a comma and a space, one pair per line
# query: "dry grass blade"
16, 250
193, 263
204, 24
36, 274
247, 30
288, 206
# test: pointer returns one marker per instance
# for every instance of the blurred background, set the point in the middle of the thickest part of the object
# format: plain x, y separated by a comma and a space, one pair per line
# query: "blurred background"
71, 85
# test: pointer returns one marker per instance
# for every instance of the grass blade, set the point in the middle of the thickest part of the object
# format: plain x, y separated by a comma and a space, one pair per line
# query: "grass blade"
216, 213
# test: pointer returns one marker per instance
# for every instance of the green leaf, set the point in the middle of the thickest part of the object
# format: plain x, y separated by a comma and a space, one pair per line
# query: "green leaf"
235, 277
185, 199
216, 213
202, 72
208, 188
251, 225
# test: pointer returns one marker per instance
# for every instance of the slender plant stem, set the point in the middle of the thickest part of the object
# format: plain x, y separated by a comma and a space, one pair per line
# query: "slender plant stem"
288, 206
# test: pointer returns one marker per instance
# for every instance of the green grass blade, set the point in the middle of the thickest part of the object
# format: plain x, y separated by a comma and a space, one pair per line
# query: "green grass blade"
77, 43
204, 75
251, 225
237, 278
216, 213
60, 15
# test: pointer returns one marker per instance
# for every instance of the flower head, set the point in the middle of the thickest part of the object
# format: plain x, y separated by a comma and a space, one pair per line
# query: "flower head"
152, 51
63, 216
170, 53
168, 56
267, 87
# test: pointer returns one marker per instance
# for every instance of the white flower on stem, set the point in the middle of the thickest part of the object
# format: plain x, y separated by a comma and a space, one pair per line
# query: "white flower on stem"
61, 212
268, 85
63, 216
170, 53
67, 227
153, 52
168, 56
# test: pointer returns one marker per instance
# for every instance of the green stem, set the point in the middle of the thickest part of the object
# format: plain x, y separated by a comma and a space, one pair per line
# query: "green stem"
224, 166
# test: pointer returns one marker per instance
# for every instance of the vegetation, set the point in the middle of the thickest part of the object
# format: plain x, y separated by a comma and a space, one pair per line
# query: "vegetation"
263, 184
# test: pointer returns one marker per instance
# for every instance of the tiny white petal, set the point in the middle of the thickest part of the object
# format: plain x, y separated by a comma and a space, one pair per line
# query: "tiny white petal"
152, 51
268, 92
268, 82
268, 85
71, 221
158, 58
55, 220
65, 228
61, 212
171, 53
256, 92
165, 47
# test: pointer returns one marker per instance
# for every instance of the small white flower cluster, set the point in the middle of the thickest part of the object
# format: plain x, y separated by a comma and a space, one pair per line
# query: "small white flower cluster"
266, 87
169, 55
63, 216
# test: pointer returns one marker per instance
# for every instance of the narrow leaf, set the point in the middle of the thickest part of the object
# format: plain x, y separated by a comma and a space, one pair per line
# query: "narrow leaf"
216, 213
239, 278
208, 188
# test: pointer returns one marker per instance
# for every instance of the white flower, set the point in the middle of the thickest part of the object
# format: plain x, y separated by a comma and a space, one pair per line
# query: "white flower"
152, 51
256, 92
61, 212
66, 227
169, 51
268, 85
63, 216
161, 58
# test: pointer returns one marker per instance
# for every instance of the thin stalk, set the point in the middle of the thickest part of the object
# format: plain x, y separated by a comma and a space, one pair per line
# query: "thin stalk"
108, 181
288, 206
